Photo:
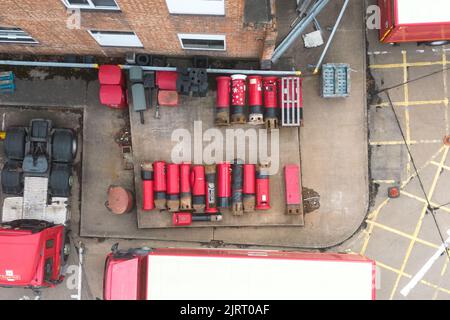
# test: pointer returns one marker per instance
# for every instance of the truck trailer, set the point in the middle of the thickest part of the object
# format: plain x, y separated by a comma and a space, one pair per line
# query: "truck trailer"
421, 21
216, 274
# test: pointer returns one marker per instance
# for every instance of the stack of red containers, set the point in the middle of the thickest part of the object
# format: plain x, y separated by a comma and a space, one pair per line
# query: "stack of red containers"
112, 87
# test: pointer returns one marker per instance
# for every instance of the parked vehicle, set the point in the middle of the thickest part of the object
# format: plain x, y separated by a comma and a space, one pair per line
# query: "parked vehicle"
33, 230
421, 21
198, 274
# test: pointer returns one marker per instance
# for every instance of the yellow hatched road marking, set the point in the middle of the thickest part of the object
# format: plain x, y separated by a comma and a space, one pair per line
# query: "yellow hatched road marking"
403, 234
444, 269
413, 175
373, 215
433, 204
403, 274
419, 224
408, 64
437, 164
406, 99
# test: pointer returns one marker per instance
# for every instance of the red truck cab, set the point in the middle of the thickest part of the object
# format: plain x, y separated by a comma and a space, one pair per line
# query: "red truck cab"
125, 274
421, 21
32, 254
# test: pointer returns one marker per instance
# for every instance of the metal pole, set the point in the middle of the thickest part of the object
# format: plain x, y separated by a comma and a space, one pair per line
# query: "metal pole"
48, 64
146, 68
298, 29
330, 39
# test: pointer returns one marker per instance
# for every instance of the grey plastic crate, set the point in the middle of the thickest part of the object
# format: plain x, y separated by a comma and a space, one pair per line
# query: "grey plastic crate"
136, 74
335, 80
7, 82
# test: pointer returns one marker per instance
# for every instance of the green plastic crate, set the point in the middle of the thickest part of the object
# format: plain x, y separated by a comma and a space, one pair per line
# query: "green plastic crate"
335, 80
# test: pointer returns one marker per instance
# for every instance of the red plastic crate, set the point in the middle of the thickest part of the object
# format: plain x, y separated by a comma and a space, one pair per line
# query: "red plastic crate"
166, 80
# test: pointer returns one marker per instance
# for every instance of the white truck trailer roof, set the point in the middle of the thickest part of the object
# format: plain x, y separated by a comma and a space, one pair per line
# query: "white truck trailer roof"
423, 11
257, 276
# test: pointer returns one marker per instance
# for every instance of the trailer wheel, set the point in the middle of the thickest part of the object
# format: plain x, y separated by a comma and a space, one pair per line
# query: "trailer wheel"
15, 143
60, 180
64, 146
12, 178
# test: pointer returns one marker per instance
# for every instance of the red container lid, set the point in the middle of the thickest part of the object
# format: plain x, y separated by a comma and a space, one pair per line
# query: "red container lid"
166, 80
110, 74
111, 94
168, 98
120, 200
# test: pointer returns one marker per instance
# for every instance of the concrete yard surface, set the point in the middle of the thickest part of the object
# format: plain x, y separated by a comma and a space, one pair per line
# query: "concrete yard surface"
157, 140
333, 147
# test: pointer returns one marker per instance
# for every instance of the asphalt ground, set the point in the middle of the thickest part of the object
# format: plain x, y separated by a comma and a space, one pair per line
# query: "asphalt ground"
401, 234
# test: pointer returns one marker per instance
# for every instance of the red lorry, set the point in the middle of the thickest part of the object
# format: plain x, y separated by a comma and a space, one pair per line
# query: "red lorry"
35, 182
205, 274
421, 21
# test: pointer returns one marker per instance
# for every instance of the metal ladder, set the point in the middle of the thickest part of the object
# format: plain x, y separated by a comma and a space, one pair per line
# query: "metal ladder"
291, 102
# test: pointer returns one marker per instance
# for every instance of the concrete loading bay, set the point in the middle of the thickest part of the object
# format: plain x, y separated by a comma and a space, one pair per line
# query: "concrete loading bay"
334, 174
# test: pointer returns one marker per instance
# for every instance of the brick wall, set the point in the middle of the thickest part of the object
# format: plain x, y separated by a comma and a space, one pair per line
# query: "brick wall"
46, 22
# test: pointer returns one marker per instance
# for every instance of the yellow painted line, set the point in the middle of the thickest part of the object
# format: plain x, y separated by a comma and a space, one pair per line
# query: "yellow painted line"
406, 275
408, 64
373, 216
403, 234
424, 201
419, 224
444, 269
393, 143
411, 103
426, 164
406, 99
437, 164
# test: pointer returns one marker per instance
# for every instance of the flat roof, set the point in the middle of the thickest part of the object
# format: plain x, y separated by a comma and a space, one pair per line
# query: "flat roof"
423, 11
224, 278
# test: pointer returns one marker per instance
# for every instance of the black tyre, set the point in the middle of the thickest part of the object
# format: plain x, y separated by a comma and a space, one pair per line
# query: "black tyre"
15, 143
64, 146
66, 248
60, 180
143, 59
12, 178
